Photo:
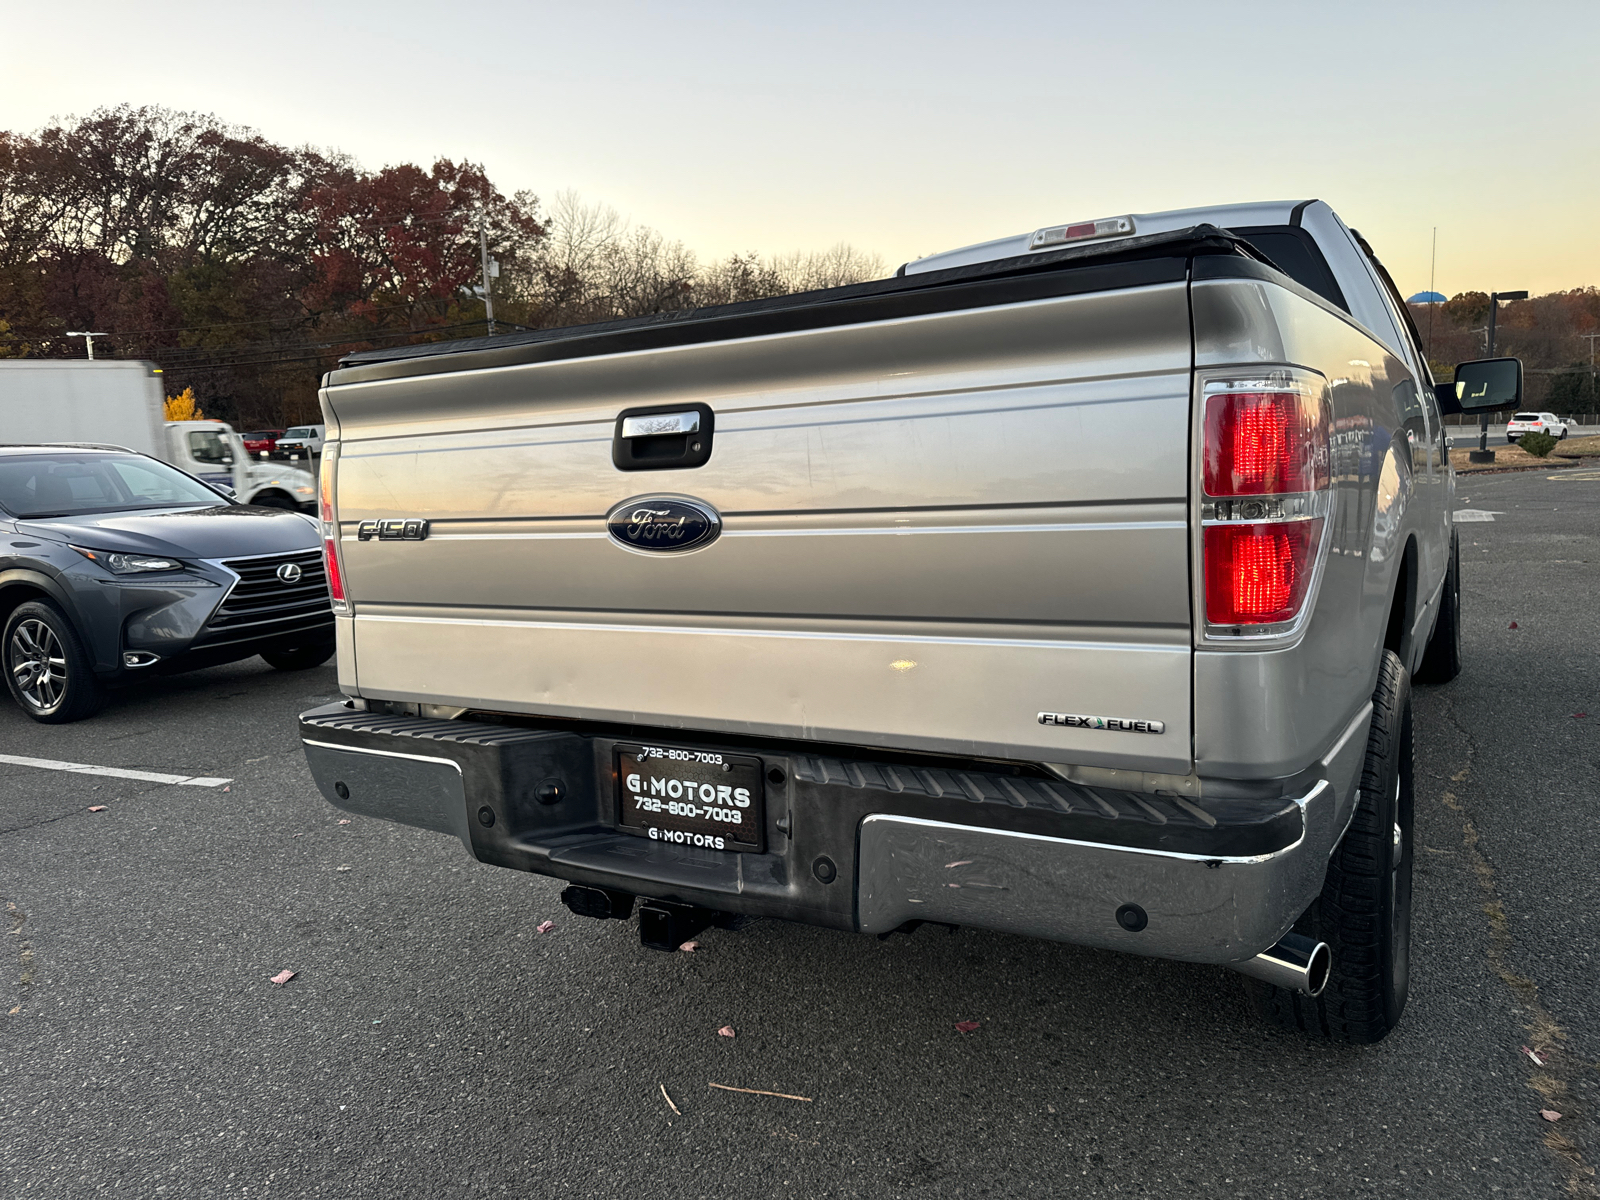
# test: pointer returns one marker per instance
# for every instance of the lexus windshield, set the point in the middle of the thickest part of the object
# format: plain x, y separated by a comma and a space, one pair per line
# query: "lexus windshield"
67, 484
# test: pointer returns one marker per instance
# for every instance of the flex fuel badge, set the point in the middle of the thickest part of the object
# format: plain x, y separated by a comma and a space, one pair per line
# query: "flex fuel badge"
1114, 724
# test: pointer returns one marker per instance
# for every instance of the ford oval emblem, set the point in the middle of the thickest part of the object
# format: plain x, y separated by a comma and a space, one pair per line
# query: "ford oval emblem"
663, 524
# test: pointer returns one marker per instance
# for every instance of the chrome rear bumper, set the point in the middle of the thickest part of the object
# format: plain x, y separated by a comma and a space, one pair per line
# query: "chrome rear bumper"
1181, 906
864, 846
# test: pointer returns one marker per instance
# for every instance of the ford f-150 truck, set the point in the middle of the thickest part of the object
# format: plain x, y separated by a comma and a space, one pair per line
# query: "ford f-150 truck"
1069, 585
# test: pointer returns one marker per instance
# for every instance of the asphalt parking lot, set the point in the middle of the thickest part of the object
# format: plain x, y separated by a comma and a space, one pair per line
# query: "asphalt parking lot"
434, 1043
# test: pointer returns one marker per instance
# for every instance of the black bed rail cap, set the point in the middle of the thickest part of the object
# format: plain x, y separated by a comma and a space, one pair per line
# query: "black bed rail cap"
1100, 266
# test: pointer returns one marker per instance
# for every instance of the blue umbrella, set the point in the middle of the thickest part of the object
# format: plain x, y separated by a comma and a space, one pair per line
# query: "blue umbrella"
1427, 298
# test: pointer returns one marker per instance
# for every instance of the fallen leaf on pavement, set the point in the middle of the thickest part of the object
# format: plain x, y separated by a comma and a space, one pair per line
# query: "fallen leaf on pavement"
1513, 625
965, 862
689, 947
227, 789
1580, 716
342, 867
344, 821
1549, 1114
966, 1026
1533, 1055
726, 1031
97, 808
544, 926
283, 977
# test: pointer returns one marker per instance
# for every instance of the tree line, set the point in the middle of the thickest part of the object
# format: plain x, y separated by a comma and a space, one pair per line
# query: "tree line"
245, 268
1546, 332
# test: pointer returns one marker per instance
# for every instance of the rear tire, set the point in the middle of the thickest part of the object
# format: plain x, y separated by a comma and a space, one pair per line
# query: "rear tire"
1442, 661
1364, 911
46, 667
299, 658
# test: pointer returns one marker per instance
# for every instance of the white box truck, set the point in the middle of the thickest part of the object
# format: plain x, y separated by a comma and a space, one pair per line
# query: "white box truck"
120, 403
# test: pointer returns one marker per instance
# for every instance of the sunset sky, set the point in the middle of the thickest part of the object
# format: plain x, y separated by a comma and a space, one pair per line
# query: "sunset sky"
906, 128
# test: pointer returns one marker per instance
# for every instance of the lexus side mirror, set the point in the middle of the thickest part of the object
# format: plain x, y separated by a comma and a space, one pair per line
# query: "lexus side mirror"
1483, 385
225, 490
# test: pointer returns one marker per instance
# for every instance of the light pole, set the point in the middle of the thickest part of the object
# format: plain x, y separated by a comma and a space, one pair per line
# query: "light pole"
1483, 453
490, 268
88, 339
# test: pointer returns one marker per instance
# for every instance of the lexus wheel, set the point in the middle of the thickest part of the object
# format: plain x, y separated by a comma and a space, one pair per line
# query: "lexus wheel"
46, 668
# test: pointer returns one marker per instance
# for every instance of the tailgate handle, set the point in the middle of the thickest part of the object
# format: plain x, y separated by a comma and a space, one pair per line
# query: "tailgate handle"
655, 439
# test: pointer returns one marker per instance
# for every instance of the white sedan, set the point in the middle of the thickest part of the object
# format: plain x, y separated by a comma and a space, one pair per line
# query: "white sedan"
1536, 422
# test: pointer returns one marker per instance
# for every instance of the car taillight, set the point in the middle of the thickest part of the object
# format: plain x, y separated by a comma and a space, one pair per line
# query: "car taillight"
329, 516
1266, 480
1264, 443
1257, 573
330, 558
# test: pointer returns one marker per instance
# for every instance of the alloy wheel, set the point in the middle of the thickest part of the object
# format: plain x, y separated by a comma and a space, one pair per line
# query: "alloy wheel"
38, 664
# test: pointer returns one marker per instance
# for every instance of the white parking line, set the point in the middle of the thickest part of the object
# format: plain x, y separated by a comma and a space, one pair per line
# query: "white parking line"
1465, 516
50, 764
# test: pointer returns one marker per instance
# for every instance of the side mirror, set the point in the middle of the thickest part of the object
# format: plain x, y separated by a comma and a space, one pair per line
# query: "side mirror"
225, 490
1483, 385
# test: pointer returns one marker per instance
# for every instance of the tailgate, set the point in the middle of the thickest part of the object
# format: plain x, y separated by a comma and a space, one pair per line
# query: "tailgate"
934, 529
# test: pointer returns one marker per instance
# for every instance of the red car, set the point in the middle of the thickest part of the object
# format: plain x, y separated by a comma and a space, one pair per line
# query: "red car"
261, 442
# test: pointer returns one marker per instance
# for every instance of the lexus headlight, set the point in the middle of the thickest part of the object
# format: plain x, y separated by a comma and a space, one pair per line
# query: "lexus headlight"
119, 563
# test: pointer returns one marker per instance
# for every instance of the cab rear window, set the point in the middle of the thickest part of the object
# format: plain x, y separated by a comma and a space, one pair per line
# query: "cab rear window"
1526, 417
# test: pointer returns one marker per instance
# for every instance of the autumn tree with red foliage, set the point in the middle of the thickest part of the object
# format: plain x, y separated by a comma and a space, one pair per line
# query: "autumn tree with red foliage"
245, 268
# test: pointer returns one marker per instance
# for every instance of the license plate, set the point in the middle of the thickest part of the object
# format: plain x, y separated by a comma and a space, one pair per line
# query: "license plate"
691, 797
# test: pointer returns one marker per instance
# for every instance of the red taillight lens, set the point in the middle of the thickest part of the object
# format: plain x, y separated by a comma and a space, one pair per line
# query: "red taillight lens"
1265, 443
330, 562
1258, 573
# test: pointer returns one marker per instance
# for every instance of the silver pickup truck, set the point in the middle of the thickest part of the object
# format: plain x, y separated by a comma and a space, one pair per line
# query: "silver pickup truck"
1069, 585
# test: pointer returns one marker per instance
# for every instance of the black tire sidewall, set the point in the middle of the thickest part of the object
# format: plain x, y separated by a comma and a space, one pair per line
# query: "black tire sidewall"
298, 658
1441, 662
84, 693
1364, 909
1349, 1000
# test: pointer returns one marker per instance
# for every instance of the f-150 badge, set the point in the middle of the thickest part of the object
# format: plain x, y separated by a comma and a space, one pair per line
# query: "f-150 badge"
1115, 724
393, 529
663, 524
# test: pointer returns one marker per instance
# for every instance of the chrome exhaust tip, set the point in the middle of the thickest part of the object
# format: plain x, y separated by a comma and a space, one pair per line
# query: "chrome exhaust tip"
1298, 963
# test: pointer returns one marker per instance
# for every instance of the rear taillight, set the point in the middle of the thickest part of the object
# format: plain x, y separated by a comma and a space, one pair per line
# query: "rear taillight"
1257, 572
1266, 478
328, 514
330, 558
1264, 443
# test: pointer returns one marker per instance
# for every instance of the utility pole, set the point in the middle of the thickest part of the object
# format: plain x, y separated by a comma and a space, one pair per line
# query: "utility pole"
483, 251
1433, 270
1591, 337
89, 338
